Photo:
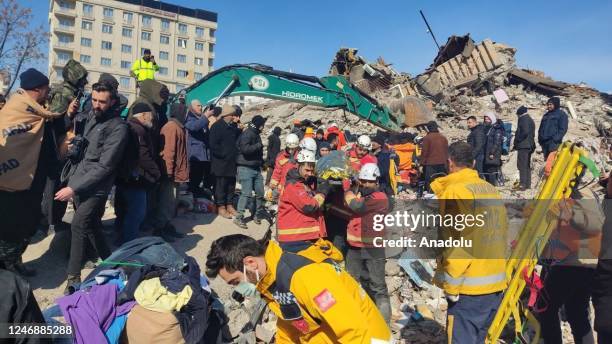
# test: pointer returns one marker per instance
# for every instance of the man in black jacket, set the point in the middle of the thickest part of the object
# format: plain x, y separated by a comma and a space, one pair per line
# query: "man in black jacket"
106, 135
223, 137
249, 161
552, 127
274, 147
524, 144
477, 139
494, 138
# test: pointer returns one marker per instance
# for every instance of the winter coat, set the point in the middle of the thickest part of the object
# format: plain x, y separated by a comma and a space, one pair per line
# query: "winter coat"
174, 151
365, 205
250, 148
282, 165
106, 137
435, 149
477, 139
62, 95
524, 137
552, 129
383, 159
274, 147
197, 137
18, 305
493, 144
146, 171
223, 147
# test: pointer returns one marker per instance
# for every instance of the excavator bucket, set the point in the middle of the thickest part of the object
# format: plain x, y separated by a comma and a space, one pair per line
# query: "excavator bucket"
416, 111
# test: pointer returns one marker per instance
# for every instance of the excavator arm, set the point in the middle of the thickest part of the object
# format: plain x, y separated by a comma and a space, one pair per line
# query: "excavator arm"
328, 92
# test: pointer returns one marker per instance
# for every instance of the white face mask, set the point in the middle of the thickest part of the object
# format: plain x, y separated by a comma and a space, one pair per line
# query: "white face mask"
246, 288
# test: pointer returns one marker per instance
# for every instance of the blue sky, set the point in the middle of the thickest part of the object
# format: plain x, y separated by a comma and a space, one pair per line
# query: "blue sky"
568, 40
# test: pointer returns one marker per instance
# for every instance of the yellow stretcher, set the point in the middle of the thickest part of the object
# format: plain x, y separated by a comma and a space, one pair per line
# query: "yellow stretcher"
570, 165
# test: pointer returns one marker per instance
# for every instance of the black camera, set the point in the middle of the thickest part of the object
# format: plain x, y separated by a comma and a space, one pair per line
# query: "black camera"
76, 149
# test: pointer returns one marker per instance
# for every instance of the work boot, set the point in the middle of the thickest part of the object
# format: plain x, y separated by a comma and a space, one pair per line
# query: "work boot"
72, 284
221, 211
239, 221
230, 209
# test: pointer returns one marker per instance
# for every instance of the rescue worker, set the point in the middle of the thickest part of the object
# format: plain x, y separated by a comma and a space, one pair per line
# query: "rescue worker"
145, 67
300, 207
360, 155
284, 162
365, 262
473, 278
308, 143
333, 129
570, 260
315, 300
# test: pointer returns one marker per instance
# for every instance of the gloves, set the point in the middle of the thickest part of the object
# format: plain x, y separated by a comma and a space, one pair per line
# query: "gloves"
324, 187
346, 184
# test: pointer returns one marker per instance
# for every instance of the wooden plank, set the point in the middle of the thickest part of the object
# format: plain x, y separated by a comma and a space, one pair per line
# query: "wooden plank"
491, 50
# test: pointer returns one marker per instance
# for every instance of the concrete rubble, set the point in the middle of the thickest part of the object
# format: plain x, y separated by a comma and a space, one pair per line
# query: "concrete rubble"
462, 81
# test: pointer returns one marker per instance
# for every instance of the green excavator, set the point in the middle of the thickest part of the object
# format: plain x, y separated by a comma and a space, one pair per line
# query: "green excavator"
328, 92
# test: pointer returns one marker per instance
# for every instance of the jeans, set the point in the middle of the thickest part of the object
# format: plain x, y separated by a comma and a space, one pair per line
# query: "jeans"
199, 172
250, 180
469, 318
367, 266
523, 163
165, 208
134, 201
225, 188
87, 226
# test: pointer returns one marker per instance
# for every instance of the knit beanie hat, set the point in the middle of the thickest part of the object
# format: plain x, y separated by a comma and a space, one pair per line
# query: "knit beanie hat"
521, 110
555, 101
31, 79
140, 108
258, 121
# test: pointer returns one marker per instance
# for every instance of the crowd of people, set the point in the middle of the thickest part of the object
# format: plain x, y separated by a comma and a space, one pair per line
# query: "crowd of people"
323, 254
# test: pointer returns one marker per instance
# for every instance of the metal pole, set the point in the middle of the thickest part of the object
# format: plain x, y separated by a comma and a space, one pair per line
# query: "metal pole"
429, 29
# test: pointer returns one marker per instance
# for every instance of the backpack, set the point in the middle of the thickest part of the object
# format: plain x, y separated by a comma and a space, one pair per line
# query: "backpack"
507, 137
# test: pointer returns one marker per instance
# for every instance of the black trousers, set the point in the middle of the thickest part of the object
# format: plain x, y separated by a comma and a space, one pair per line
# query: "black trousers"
225, 188
87, 227
492, 174
269, 175
523, 163
199, 173
53, 211
431, 172
570, 287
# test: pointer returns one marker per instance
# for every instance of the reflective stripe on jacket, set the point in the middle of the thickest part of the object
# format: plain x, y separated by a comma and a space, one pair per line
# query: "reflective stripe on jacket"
144, 70
283, 163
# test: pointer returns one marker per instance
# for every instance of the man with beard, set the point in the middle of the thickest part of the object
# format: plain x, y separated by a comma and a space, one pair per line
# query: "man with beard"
106, 135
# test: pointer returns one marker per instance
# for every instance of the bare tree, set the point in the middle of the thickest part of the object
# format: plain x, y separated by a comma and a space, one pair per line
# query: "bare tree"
19, 44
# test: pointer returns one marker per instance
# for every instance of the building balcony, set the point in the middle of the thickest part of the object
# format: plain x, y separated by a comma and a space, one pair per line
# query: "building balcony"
65, 11
64, 46
88, 15
63, 28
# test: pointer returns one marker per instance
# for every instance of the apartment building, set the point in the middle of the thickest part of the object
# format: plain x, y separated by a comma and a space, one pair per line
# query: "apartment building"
107, 36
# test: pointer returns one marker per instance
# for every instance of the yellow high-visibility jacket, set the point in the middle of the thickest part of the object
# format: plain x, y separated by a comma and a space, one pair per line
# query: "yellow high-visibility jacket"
333, 306
480, 269
144, 70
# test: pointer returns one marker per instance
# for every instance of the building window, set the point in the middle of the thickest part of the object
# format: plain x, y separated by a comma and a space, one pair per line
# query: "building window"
210, 63
126, 48
211, 32
107, 28
145, 36
88, 10
86, 42
181, 73
127, 17
181, 58
163, 55
85, 59
125, 64
200, 32
124, 82
163, 71
63, 57
66, 23
199, 61
182, 28
86, 25
106, 45
105, 61
198, 76
108, 12
146, 21
181, 42
65, 6
211, 48
64, 39
165, 25
125, 32
199, 46
164, 39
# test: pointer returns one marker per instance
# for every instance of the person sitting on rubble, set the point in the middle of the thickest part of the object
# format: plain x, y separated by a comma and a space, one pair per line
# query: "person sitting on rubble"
553, 127
283, 162
434, 154
494, 137
477, 140
314, 298
364, 261
473, 278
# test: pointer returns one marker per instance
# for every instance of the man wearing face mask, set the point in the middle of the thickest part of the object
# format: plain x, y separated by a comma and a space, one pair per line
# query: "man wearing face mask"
140, 177
315, 300
145, 67
106, 136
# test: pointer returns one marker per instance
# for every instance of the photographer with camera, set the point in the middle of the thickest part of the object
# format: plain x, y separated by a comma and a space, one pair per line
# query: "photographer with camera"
145, 67
105, 137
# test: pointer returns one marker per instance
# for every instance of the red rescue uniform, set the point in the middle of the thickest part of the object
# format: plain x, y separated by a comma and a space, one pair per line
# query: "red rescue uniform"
364, 205
283, 163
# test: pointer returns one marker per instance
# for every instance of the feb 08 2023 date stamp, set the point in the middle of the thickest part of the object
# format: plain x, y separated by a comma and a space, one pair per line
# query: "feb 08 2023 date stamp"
14, 331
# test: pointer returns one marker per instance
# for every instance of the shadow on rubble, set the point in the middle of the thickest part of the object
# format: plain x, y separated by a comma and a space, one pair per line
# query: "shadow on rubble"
51, 266
422, 330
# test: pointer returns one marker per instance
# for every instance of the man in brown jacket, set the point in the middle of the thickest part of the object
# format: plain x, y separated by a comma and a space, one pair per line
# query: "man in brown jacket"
434, 154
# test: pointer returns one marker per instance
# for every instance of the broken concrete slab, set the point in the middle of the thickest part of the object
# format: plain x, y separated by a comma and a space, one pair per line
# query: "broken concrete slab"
538, 82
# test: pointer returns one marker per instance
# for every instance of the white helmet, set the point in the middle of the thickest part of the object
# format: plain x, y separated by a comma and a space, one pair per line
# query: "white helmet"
369, 171
309, 143
306, 156
365, 142
292, 141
